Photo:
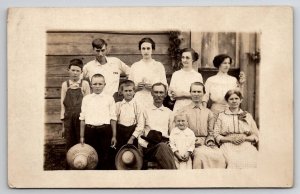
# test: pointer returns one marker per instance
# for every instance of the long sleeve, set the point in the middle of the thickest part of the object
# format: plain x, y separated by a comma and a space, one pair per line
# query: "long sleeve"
217, 130
140, 122
210, 127
192, 143
163, 75
112, 110
62, 98
83, 109
172, 142
85, 72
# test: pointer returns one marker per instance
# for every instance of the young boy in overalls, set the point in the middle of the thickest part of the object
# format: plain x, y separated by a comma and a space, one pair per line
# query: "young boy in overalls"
128, 115
72, 92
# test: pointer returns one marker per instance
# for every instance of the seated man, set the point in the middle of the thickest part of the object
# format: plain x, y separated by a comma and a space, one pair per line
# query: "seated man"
156, 121
201, 120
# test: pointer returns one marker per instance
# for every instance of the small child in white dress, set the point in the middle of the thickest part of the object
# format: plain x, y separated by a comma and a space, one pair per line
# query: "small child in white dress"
182, 142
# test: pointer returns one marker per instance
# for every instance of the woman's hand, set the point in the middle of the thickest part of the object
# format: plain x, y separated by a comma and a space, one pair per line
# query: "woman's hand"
82, 140
178, 156
148, 86
113, 142
238, 139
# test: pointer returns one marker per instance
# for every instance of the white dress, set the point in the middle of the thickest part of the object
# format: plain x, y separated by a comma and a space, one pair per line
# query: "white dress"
182, 141
150, 73
216, 87
180, 82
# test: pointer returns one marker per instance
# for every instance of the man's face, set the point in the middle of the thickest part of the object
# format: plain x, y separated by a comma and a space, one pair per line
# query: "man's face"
128, 92
158, 93
98, 84
197, 93
100, 51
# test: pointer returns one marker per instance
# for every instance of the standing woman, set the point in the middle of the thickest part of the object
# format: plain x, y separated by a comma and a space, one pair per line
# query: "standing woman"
236, 133
146, 72
182, 79
216, 86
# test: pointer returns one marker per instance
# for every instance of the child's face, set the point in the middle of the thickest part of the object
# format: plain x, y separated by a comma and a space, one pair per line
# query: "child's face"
74, 72
181, 122
128, 92
98, 84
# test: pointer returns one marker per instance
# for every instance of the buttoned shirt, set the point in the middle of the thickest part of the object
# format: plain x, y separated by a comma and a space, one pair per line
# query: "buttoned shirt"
182, 140
154, 118
129, 113
85, 89
111, 72
98, 109
200, 119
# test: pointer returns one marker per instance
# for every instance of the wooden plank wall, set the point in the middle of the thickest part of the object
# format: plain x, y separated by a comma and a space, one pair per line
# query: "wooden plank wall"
64, 46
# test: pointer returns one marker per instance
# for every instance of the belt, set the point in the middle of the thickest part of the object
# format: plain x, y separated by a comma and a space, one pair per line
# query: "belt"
96, 126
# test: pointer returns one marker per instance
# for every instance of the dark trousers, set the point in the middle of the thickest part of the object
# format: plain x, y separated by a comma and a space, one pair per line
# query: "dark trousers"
72, 128
123, 135
162, 154
100, 139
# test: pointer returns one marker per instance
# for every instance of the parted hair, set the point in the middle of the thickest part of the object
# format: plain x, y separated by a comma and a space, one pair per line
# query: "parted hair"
218, 60
198, 84
195, 55
126, 83
99, 43
160, 84
231, 92
149, 40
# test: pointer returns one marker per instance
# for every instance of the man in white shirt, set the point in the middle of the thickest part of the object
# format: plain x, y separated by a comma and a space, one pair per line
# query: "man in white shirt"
158, 118
109, 67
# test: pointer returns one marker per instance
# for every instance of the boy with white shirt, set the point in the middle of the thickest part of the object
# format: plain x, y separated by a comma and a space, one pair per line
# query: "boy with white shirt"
128, 115
98, 121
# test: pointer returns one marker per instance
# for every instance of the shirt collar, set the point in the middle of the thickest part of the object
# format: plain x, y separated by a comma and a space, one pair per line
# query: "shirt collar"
178, 131
228, 112
74, 82
107, 61
125, 102
98, 95
162, 108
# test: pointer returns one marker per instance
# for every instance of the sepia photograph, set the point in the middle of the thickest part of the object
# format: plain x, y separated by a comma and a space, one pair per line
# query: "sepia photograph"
165, 99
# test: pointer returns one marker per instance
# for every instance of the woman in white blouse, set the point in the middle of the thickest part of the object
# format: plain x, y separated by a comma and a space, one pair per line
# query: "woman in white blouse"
146, 72
216, 86
236, 132
182, 79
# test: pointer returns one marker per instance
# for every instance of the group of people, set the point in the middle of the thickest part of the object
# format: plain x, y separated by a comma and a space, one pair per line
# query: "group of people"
191, 136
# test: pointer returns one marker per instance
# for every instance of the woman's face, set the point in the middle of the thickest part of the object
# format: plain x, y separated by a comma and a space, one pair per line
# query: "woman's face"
234, 101
146, 50
225, 65
187, 59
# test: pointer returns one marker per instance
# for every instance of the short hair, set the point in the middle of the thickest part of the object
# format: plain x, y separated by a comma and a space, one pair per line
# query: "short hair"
126, 83
149, 40
76, 62
218, 60
159, 84
98, 43
198, 84
231, 92
97, 75
180, 113
195, 55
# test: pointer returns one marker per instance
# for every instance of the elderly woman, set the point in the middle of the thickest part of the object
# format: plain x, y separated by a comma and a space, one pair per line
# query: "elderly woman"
146, 72
182, 79
216, 86
236, 133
